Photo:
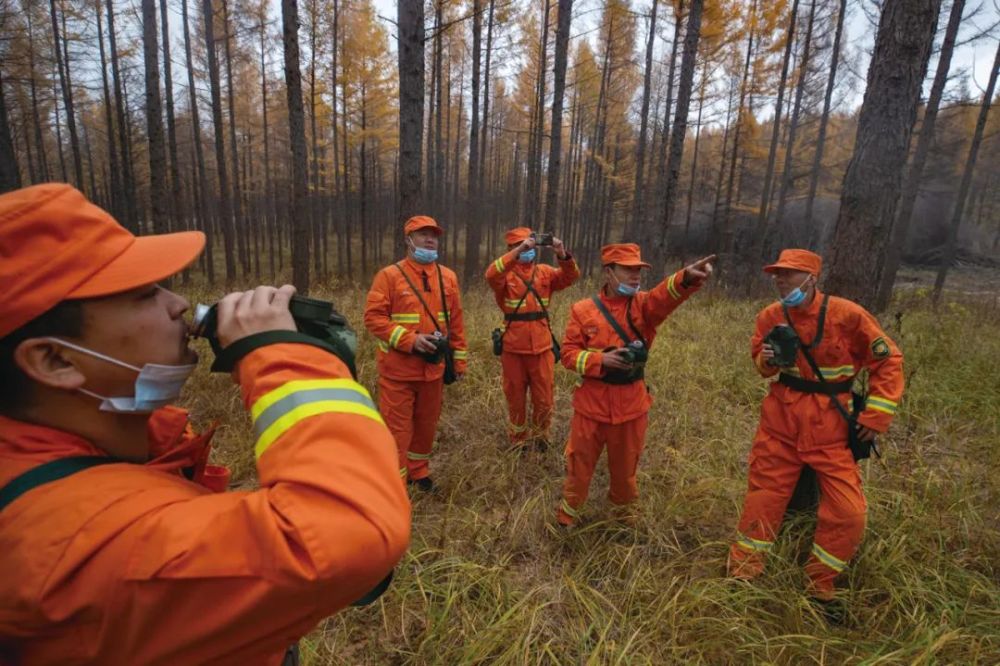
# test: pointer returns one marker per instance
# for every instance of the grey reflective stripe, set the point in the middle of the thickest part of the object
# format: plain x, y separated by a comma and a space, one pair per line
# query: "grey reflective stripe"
299, 398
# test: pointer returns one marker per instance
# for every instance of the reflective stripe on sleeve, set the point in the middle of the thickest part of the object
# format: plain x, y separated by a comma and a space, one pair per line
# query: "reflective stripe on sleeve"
461, 354
880, 404
406, 317
672, 288
295, 401
581, 361
396, 336
498, 264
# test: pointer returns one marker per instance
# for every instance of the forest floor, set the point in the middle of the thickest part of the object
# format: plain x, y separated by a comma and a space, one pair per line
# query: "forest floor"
487, 578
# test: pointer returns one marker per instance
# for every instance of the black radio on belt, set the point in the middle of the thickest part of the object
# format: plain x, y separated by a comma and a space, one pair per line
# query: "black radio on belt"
786, 343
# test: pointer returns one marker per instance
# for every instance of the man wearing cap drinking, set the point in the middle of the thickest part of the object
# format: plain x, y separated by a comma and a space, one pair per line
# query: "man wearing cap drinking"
114, 549
415, 312
805, 418
608, 339
523, 288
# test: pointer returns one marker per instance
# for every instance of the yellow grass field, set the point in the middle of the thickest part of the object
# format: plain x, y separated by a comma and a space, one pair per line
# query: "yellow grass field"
488, 579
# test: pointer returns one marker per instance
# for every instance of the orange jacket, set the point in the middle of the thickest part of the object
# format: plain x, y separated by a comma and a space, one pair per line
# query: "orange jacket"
394, 315
588, 334
134, 564
852, 340
507, 277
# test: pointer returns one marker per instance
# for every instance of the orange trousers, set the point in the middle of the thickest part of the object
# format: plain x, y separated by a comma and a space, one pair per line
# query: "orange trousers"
587, 439
521, 372
775, 466
411, 411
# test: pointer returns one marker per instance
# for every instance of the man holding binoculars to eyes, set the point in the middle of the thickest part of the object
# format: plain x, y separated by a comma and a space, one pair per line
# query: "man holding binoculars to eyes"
113, 546
526, 345
415, 312
816, 344
608, 340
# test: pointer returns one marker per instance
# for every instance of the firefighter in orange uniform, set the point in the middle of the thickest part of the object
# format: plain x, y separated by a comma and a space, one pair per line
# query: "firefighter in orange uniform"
607, 342
415, 312
801, 425
110, 554
523, 288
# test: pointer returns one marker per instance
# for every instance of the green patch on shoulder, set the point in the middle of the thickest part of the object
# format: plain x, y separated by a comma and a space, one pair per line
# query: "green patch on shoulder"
880, 348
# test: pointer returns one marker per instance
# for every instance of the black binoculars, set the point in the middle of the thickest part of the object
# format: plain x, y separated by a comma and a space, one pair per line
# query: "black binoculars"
543, 238
785, 342
440, 347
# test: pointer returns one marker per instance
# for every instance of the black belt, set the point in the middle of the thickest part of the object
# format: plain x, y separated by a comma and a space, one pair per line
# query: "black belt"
525, 316
808, 386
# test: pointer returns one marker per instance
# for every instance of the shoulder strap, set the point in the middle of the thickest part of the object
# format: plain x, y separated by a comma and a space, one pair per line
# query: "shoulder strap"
444, 304
48, 472
421, 298
819, 324
812, 362
611, 320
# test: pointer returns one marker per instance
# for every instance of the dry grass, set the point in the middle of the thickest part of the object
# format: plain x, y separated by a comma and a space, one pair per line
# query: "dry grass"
487, 579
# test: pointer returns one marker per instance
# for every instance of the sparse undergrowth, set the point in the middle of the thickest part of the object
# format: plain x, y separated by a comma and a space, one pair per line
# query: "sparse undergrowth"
488, 579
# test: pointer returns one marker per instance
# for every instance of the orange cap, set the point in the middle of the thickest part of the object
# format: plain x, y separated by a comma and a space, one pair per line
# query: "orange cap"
797, 260
517, 235
418, 222
55, 245
623, 254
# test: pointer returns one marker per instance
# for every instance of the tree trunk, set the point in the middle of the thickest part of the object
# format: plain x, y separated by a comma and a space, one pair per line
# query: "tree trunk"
43, 163
10, 175
814, 233
128, 173
116, 194
225, 212
908, 198
297, 131
67, 93
201, 185
535, 151
483, 154
558, 93
678, 133
239, 225
661, 167
176, 215
871, 184
410, 15
473, 225
682, 251
640, 148
948, 256
154, 119
765, 194
269, 209
437, 198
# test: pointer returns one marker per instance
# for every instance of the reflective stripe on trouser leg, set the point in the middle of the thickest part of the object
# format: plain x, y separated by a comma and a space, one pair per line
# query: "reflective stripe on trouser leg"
426, 412
582, 451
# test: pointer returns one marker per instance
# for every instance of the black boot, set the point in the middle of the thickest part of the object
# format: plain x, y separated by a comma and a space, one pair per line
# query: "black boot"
425, 484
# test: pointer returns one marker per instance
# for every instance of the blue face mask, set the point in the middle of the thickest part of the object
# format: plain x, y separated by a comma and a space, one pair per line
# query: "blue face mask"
156, 386
626, 290
795, 297
422, 255
527, 256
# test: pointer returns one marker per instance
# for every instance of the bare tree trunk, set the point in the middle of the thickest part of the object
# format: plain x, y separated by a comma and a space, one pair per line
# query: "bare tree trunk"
67, 93
483, 154
315, 223
814, 233
871, 184
269, 209
10, 174
558, 93
116, 194
661, 167
175, 204
786, 174
640, 148
908, 198
154, 119
473, 225
535, 151
437, 199
765, 194
297, 131
201, 184
128, 172
239, 225
678, 133
43, 163
225, 212
682, 251
410, 15
948, 256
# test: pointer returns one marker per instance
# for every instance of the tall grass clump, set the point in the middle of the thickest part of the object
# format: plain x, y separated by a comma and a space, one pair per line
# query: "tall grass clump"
488, 579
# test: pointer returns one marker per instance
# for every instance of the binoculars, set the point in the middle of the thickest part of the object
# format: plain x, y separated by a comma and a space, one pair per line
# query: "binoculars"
785, 343
440, 343
542, 238
313, 317
636, 354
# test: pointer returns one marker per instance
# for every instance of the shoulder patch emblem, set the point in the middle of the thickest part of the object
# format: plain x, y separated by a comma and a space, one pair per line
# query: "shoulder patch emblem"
880, 348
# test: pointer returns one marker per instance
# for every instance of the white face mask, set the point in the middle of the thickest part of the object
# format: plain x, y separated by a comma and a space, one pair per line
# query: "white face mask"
156, 386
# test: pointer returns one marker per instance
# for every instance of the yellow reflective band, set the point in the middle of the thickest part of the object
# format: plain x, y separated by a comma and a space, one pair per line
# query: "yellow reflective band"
832, 372
412, 455
383, 347
498, 264
568, 510
461, 354
441, 316
829, 560
397, 335
672, 288
581, 362
545, 301
295, 401
406, 318
881, 405
402, 472
512, 302
754, 545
